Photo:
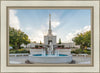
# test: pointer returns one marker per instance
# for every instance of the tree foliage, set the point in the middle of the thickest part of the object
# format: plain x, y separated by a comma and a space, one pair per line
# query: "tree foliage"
60, 41
17, 37
40, 42
83, 39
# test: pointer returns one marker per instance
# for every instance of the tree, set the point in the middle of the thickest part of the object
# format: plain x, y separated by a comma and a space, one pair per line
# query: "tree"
59, 40
40, 42
34, 41
17, 37
83, 39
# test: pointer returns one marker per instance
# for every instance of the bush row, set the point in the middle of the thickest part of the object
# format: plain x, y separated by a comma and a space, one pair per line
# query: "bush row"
80, 51
18, 51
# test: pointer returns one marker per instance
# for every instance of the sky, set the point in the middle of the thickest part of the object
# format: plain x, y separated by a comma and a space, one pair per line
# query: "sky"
65, 23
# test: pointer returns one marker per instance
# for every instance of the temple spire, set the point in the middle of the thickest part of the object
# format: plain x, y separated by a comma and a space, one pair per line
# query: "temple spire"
49, 31
49, 21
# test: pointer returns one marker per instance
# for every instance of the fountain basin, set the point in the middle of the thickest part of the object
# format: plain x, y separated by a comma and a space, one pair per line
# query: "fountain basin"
48, 59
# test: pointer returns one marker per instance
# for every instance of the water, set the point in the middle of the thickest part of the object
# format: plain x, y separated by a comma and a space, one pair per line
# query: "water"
50, 55
50, 52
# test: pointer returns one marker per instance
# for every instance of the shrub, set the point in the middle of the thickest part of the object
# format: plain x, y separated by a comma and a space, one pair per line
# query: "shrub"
72, 51
76, 52
36, 46
59, 46
89, 52
81, 51
85, 51
19, 51
62, 46
41, 46
22, 47
11, 51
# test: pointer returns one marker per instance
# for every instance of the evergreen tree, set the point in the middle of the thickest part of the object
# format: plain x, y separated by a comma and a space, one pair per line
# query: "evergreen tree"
59, 40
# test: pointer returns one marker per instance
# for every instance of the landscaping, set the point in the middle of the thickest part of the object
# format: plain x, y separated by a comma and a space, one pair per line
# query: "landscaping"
80, 51
13, 51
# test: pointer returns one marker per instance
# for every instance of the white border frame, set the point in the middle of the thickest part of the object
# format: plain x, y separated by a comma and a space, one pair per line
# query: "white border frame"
4, 68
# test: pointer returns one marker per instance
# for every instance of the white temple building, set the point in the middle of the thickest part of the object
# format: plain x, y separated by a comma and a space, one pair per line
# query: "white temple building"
50, 38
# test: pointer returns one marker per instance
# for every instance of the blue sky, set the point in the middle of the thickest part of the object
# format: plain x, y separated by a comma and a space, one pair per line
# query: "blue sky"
66, 23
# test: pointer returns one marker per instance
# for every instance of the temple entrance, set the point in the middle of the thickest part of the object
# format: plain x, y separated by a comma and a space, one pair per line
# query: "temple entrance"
49, 41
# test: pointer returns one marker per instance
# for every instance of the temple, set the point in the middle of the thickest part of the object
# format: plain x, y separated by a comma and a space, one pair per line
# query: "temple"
50, 38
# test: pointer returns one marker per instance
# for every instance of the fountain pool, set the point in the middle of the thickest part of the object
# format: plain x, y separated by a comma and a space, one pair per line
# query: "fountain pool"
48, 59
50, 56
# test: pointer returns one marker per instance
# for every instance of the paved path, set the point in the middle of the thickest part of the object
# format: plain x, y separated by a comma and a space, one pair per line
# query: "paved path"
77, 59
81, 59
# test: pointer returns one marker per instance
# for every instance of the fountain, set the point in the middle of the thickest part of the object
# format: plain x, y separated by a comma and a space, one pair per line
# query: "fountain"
50, 57
50, 49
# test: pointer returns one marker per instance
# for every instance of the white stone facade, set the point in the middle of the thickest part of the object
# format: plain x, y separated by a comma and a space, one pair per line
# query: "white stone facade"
49, 38
68, 45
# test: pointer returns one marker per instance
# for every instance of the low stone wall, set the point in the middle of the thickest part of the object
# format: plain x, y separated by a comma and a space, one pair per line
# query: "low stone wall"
40, 51
50, 59
36, 51
64, 51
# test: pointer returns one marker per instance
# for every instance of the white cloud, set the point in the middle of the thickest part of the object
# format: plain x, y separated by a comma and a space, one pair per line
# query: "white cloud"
54, 20
54, 24
70, 36
39, 35
28, 28
14, 21
54, 33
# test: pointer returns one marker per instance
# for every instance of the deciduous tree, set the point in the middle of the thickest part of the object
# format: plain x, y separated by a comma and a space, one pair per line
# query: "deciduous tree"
83, 39
17, 37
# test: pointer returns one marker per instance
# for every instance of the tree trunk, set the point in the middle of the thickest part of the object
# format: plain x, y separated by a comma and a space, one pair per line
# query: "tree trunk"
18, 46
